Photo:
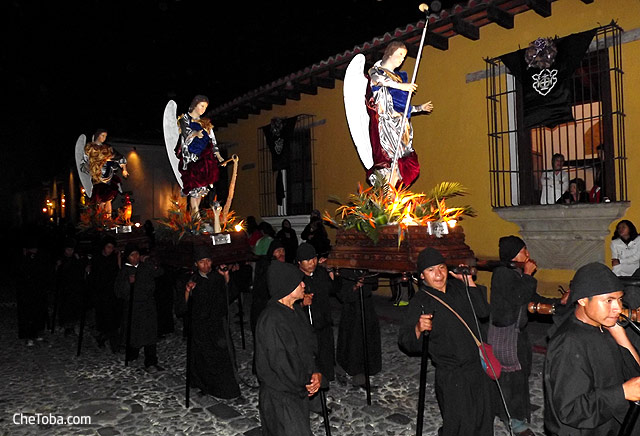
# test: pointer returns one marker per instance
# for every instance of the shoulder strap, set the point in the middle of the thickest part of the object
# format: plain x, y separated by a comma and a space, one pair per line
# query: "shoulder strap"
456, 314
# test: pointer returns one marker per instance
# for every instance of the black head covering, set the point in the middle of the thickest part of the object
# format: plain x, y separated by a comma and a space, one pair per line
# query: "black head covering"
30, 241
593, 279
130, 248
273, 246
108, 240
429, 257
322, 246
282, 279
305, 251
201, 252
632, 296
510, 246
69, 243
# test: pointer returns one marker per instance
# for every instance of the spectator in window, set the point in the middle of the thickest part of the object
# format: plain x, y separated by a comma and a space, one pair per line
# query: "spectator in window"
625, 251
576, 193
554, 182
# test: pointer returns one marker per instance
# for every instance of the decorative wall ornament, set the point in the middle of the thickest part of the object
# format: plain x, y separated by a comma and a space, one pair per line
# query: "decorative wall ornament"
541, 53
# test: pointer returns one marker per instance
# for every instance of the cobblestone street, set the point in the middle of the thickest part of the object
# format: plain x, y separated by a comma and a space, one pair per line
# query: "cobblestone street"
48, 380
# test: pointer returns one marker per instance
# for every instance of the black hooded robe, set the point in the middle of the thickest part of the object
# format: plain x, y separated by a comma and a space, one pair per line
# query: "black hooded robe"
511, 292
463, 389
583, 375
213, 367
285, 360
349, 351
144, 320
101, 281
320, 285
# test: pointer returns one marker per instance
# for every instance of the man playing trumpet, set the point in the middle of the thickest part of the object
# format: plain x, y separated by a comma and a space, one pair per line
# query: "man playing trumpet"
591, 370
512, 289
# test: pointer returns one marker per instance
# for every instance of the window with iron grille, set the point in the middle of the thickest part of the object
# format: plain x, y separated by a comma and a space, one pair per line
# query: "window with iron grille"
286, 187
593, 146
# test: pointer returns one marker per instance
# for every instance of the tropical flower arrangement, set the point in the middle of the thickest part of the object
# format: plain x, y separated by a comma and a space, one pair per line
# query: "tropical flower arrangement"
181, 221
92, 218
382, 204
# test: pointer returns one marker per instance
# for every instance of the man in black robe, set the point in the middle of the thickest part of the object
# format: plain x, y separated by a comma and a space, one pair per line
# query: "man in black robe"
33, 283
137, 279
317, 288
350, 354
462, 387
285, 356
512, 289
104, 268
318, 285
591, 371
208, 294
70, 286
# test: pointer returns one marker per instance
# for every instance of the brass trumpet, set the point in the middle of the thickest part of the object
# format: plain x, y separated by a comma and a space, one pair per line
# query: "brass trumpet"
541, 308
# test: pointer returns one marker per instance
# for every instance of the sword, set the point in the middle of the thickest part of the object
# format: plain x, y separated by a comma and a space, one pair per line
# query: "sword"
423, 8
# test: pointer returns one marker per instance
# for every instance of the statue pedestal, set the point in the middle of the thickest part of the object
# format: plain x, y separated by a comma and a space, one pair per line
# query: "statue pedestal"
353, 249
181, 254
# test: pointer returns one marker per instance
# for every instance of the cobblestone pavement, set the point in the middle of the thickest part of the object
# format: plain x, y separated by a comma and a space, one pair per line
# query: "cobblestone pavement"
48, 381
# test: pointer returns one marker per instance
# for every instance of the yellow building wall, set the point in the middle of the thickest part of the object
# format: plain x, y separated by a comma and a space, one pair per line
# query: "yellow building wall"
451, 143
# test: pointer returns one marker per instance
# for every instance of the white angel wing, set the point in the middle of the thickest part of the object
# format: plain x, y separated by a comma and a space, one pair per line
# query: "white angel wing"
171, 135
85, 178
355, 88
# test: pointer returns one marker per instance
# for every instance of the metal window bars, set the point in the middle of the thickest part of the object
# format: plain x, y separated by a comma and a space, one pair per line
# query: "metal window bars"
593, 145
298, 179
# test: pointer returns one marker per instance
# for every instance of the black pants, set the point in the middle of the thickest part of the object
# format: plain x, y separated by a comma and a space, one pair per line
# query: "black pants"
150, 354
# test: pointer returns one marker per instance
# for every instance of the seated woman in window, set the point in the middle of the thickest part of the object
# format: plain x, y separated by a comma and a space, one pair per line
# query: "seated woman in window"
625, 251
576, 193
554, 182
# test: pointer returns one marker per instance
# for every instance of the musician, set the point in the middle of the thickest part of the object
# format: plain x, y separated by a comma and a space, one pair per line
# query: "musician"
286, 351
390, 90
511, 291
592, 366
462, 388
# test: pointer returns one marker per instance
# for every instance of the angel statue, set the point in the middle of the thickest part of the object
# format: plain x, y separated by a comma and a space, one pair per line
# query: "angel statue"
375, 107
98, 164
192, 150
